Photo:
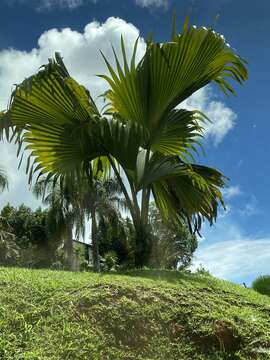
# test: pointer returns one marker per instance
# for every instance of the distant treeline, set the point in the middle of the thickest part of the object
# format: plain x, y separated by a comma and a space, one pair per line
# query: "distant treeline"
27, 239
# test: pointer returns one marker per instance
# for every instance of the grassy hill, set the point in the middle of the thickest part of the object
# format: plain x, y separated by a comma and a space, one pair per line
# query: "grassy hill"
140, 315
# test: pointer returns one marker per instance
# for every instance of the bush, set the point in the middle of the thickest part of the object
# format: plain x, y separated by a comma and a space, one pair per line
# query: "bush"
86, 266
202, 271
57, 266
110, 260
262, 285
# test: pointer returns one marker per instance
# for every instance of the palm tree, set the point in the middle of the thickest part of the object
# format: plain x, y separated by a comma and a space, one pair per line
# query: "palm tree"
101, 200
144, 136
3, 180
62, 214
97, 198
70, 206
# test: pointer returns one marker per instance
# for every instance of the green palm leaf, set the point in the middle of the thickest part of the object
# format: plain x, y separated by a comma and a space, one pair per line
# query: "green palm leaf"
193, 194
52, 115
169, 73
179, 133
120, 140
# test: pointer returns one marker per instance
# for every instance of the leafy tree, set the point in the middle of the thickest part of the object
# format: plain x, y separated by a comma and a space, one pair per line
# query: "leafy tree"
110, 260
36, 249
8, 247
70, 205
144, 135
3, 180
62, 214
173, 245
116, 235
262, 284
100, 199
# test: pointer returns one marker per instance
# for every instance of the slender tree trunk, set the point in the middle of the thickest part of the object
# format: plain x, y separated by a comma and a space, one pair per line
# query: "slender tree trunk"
143, 241
143, 244
96, 261
68, 246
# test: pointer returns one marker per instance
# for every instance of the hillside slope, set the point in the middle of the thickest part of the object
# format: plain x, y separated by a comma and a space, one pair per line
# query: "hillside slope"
141, 315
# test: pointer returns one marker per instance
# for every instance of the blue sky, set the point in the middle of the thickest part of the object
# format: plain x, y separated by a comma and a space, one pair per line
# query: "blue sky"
238, 246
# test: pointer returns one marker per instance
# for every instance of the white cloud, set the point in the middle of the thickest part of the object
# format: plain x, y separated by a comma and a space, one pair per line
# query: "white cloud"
250, 207
230, 253
231, 192
150, 3
82, 57
222, 117
18, 181
80, 51
236, 260
73, 4
51, 4
70, 4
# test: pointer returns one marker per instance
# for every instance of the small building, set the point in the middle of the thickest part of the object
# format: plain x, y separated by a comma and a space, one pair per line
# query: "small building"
82, 251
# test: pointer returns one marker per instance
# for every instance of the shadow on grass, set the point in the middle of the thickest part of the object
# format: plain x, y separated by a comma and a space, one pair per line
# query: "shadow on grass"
171, 276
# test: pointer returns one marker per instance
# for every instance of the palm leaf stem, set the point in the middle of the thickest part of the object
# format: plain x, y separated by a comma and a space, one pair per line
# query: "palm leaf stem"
122, 185
145, 205
145, 192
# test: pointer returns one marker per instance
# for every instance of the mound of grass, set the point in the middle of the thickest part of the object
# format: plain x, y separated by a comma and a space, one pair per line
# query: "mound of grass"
262, 285
152, 315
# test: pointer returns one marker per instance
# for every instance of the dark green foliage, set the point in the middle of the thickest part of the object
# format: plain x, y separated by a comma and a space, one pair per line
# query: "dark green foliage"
58, 265
101, 200
142, 315
110, 260
117, 234
70, 204
3, 180
172, 243
35, 243
9, 250
262, 284
63, 215
80, 256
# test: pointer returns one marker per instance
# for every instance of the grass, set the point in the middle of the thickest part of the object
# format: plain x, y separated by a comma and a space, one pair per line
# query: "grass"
53, 315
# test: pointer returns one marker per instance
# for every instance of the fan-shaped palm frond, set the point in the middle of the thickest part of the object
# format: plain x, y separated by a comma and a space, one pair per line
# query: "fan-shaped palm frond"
52, 115
193, 194
169, 73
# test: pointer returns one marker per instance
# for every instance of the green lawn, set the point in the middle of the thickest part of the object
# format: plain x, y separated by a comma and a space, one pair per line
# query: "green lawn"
141, 315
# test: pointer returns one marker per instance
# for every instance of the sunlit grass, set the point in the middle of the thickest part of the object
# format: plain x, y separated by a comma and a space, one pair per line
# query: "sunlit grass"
137, 315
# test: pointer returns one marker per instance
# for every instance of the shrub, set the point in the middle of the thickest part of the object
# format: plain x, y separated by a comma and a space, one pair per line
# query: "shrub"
110, 260
86, 266
202, 271
57, 266
262, 285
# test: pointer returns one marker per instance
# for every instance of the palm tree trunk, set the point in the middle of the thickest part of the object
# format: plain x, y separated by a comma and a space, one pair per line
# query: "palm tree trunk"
143, 246
143, 239
68, 248
96, 261
143, 243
